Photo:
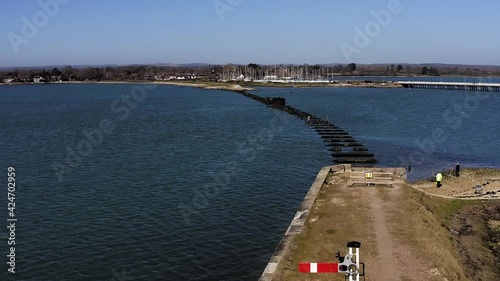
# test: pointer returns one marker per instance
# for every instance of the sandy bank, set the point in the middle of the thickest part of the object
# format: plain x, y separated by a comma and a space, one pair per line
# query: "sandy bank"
206, 86
464, 185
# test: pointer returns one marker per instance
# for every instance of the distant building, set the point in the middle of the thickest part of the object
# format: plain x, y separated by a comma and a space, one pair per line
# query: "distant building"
56, 78
8, 80
38, 79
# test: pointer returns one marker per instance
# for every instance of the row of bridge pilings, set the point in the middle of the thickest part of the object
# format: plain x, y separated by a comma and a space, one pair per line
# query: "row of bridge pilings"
470, 87
344, 148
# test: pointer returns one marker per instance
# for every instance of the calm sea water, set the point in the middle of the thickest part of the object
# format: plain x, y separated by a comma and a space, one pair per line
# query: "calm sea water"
429, 130
116, 215
193, 184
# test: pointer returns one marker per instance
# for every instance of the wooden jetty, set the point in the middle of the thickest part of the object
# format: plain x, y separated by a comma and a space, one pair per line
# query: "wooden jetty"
483, 87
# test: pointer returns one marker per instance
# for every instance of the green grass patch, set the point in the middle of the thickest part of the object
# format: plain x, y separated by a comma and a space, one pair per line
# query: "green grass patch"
442, 208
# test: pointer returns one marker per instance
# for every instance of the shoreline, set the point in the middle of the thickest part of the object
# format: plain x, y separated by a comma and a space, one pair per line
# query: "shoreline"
464, 186
245, 86
242, 85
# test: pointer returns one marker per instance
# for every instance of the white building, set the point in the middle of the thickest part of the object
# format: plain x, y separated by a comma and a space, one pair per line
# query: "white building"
38, 79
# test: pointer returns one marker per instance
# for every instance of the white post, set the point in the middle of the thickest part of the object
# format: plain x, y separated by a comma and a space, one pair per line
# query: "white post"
357, 263
350, 253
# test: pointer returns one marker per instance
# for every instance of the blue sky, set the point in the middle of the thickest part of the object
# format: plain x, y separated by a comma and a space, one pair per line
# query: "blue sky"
244, 31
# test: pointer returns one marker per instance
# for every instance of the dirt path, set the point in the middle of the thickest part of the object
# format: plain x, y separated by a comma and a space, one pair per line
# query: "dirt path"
385, 243
394, 260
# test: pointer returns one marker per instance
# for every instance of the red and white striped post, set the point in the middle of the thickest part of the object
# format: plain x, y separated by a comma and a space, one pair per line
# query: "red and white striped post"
345, 265
319, 267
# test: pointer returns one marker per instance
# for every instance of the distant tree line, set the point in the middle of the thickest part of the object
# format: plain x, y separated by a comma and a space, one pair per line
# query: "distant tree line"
231, 72
68, 73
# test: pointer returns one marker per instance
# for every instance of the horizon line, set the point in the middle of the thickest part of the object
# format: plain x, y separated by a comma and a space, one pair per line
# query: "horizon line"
230, 63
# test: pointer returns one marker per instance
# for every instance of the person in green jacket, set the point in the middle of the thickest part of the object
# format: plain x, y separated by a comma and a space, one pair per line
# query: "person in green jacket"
439, 178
